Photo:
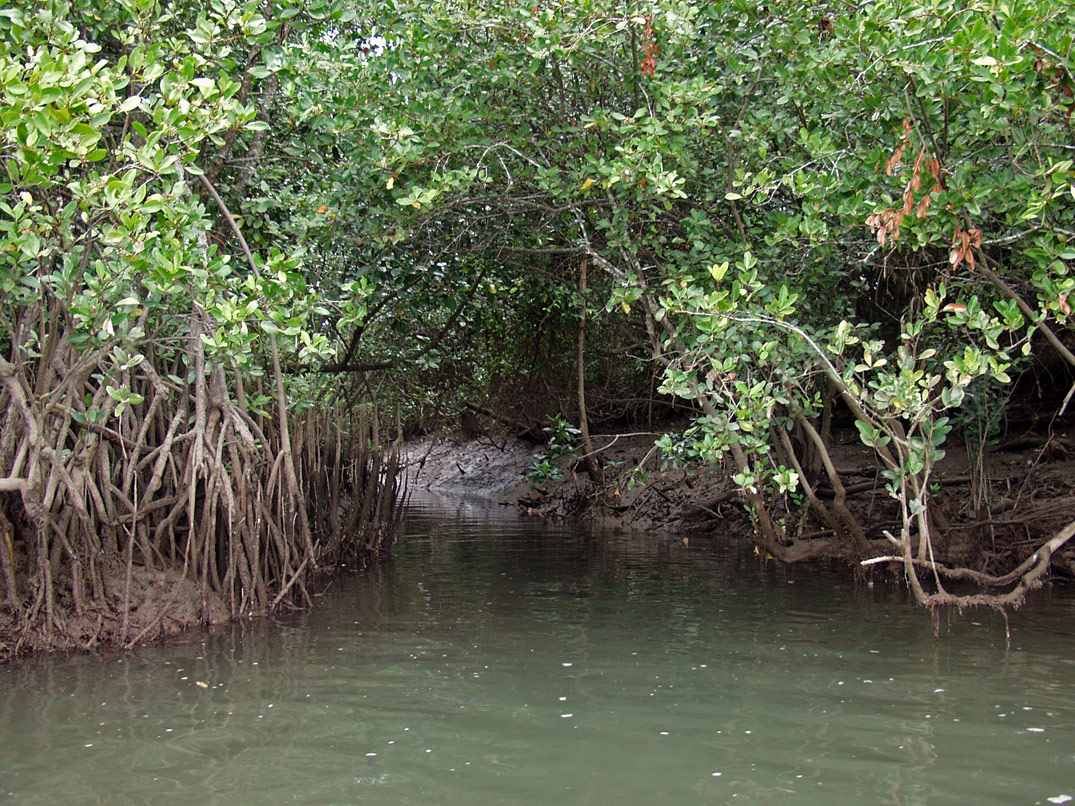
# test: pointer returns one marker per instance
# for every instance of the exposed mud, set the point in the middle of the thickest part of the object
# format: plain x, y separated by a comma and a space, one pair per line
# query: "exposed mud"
638, 495
482, 466
995, 517
151, 616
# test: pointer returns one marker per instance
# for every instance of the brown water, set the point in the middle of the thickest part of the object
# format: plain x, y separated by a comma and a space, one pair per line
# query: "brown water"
495, 661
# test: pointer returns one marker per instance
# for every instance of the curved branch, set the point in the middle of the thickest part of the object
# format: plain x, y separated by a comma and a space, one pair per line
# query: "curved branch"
1028, 574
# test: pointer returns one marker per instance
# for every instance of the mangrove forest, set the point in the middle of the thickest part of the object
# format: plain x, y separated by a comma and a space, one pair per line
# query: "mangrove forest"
820, 252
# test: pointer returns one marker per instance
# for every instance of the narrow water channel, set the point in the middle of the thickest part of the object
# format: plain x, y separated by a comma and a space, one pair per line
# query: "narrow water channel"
495, 661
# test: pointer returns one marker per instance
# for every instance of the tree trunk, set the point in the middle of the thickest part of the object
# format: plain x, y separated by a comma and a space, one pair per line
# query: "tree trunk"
589, 460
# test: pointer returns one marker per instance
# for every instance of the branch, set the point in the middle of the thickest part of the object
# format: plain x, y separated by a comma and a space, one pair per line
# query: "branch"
339, 369
564, 250
984, 266
433, 341
12, 484
1027, 572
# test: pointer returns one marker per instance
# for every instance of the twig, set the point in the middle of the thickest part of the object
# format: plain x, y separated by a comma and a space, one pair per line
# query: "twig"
294, 578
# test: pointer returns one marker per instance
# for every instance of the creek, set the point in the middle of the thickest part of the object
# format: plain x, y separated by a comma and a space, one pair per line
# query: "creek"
499, 661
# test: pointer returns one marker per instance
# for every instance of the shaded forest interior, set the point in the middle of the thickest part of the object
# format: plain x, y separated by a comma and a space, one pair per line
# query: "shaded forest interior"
823, 251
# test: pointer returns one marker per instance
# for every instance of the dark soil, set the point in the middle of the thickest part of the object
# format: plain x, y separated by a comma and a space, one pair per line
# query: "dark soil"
1026, 497
151, 615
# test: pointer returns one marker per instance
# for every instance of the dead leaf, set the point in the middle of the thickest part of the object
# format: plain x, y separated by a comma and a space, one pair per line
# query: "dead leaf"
923, 205
916, 172
893, 162
908, 200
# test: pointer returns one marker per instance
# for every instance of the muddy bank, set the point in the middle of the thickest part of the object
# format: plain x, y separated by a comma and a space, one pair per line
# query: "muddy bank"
457, 465
158, 605
638, 494
145, 585
1021, 497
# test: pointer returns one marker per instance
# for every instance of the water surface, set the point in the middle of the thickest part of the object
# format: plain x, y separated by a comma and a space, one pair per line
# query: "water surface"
496, 661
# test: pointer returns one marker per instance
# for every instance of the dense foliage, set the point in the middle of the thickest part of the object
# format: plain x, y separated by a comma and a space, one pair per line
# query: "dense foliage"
779, 214
150, 447
856, 206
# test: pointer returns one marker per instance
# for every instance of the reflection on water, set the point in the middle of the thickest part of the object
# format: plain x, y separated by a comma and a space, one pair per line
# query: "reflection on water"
496, 661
